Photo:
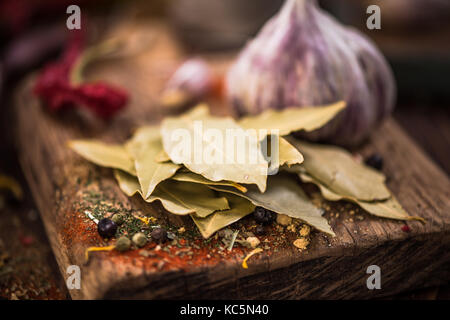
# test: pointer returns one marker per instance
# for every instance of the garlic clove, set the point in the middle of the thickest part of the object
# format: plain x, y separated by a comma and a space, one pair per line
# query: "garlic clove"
191, 82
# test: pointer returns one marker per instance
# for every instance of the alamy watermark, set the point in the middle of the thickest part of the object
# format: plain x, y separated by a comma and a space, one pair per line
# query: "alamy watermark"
232, 146
73, 22
374, 280
73, 281
374, 20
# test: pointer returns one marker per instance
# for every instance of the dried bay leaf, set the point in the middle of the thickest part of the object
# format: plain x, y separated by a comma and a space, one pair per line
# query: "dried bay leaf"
337, 170
144, 147
288, 154
162, 157
293, 119
130, 186
145, 133
196, 178
128, 183
284, 195
326, 193
180, 198
389, 208
103, 154
195, 198
199, 111
223, 163
239, 208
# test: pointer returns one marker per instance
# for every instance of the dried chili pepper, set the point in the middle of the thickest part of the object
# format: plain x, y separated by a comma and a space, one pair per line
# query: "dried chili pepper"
103, 99
55, 88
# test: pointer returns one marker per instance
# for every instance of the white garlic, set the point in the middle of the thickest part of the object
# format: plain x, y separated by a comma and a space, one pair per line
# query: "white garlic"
304, 57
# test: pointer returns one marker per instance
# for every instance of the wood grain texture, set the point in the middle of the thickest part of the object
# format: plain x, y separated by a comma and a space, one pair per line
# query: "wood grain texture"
430, 128
330, 268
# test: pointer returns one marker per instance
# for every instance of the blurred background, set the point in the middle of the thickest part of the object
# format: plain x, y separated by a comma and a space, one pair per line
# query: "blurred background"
414, 37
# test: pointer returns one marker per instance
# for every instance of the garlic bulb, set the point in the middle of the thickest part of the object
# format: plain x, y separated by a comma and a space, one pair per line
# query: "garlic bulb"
192, 81
304, 57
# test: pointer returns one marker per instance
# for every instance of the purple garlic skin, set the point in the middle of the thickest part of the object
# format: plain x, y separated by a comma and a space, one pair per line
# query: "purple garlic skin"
194, 78
304, 57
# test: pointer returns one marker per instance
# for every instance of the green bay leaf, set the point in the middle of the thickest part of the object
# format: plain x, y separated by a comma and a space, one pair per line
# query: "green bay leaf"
288, 154
144, 147
284, 195
293, 119
105, 155
239, 208
128, 183
162, 157
181, 198
335, 168
186, 198
283, 155
212, 157
326, 193
196, 178
389, 208
198, 112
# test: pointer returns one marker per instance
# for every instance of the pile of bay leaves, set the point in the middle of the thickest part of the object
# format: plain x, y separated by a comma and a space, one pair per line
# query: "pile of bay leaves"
217, 195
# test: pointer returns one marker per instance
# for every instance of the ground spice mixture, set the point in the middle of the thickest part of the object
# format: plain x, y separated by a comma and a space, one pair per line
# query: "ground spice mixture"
185, 247
27, 267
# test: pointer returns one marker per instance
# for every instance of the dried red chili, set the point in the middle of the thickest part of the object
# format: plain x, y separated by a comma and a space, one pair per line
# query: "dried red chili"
103, 99
54, 87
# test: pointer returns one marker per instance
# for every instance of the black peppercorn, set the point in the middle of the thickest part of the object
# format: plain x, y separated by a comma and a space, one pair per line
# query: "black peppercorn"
375, 161
259, 214
159, 235
106, 228
264, 216
260, 230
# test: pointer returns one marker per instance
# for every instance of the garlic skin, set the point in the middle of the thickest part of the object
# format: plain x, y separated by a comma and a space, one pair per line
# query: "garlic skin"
193, 80
304, 57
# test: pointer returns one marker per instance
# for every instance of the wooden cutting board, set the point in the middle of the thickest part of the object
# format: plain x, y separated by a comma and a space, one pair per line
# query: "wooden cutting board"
64, 185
